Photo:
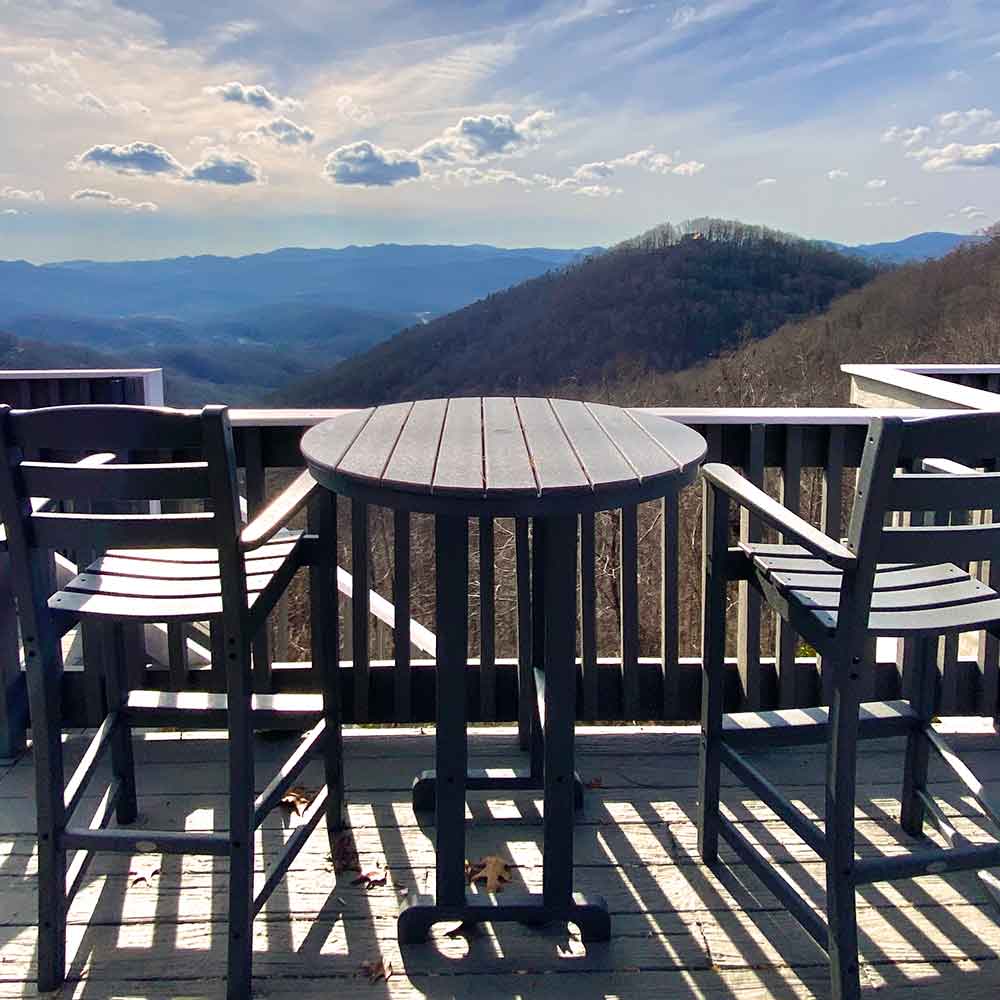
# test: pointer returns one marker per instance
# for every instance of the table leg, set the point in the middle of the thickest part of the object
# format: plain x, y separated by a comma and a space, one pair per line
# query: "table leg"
557, 703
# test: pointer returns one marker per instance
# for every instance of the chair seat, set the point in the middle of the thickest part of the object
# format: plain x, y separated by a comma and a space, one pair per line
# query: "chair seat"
907, 598
162, 585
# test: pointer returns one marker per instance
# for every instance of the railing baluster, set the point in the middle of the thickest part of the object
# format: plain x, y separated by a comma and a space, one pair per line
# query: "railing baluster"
177, 655
831, 515
669, 615
256, 487
629, 598
360, 607
988, 645
748, 616
401, 600
487, 621
948, 645
588, 618
786, 641
522, 555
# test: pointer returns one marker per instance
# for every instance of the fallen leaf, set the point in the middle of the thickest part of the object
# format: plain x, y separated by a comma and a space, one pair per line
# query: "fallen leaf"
595, 783
372, 880
297, 800
493, 869
377, 970
344, 854
142, 874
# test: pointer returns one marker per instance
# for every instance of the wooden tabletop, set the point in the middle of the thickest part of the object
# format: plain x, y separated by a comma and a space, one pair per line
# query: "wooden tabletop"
502, 454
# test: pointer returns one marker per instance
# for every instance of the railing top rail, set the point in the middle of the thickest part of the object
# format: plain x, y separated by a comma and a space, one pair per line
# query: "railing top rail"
897, 385
9, 374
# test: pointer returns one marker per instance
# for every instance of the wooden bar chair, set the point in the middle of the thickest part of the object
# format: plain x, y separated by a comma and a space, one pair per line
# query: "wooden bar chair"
157, 567
902, 581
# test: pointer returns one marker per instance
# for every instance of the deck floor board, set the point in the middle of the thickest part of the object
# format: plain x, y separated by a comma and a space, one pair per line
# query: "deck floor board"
679, 929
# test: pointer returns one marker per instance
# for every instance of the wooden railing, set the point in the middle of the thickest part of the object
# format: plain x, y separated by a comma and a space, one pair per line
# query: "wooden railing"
639, 587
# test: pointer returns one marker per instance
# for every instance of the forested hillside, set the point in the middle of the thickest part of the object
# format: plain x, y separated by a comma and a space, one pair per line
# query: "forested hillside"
945, 310
665, 300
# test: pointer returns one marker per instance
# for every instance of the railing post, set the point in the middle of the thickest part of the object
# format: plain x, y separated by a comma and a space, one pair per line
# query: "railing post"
785, 640
588, 619
401, 602
525, 682
669, 616
629, 596
256, 487
487, 622
360, 607
830, 515
748, 615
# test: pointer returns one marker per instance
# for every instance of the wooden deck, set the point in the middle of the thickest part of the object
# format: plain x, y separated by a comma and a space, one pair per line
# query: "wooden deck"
679, 930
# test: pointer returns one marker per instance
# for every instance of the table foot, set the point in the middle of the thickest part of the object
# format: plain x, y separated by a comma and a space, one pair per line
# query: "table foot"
425, 784
421, 912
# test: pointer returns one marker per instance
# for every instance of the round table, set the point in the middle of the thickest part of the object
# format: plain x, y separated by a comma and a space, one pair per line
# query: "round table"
549, 460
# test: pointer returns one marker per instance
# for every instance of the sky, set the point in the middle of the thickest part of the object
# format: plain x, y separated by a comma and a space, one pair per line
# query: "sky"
153, 128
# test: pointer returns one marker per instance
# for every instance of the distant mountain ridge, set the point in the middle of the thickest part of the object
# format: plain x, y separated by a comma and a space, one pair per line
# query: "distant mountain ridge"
665, 300
389, 278
919, 247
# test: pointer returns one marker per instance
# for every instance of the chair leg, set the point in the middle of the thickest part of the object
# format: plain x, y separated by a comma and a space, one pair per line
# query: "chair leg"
840, 796
713, 653
116, 691
44, 682
923, 689
241, 831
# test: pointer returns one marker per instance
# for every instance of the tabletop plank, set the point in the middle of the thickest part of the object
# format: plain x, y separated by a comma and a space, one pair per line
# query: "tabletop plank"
332, 438
459, 465
412, 462
602, 462
370, 453
557, 468
645, 454
506, 460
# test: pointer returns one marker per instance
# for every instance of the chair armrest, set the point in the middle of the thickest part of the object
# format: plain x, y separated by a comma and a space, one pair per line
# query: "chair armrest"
41, 504
278, 512
793, 528
948, 466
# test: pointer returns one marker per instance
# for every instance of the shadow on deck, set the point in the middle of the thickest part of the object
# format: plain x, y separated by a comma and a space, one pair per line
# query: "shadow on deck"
679, 930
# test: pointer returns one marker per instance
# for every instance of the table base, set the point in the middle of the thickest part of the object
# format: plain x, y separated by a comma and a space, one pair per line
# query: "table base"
478, 780
589, 913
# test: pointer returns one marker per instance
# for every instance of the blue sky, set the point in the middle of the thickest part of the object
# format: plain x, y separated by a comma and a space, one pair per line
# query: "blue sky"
142, 128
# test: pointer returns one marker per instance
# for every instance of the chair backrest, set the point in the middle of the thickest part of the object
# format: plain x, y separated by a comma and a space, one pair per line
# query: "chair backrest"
902, 514
33, 440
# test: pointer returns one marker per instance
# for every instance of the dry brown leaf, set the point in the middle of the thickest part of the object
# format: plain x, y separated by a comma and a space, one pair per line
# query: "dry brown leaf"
377, 970
344, 855
298, 799
372, 880
595, 783
492, 869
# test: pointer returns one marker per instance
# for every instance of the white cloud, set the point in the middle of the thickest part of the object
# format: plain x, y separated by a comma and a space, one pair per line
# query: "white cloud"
485, 137
957, 76
360, 114
282, 131
10, 211
368, 165
255, 95
767, 181
144, 158
836, 174
473, 176
597, 191
114, 201
17, 194
91, 102
907, 136
957, 156
594, 171
645, 159
971, 213
220, 166
954, 122
876, 184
